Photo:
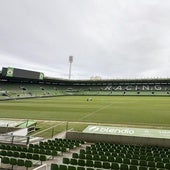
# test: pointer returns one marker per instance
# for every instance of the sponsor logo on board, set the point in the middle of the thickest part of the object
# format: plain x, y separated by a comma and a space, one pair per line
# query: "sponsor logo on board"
125, 131
110, 130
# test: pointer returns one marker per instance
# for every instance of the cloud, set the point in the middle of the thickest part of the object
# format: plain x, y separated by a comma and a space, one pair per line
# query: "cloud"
111, 39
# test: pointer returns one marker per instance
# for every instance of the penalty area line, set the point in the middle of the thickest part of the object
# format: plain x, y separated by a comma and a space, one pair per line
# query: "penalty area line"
91, 113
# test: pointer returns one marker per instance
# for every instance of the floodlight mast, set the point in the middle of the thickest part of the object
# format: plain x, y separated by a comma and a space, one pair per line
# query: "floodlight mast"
70, 61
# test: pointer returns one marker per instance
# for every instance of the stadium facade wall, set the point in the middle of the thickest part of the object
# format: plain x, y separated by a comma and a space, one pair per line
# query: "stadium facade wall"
118, 139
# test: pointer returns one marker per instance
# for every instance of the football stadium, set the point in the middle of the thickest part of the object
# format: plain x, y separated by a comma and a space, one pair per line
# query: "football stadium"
109, 110
63, 124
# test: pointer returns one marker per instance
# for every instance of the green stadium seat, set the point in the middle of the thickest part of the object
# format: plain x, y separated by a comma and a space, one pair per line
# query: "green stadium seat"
66, 161
97, 164
13, 161
42, 158
107, 153
114, 165
71, 167
134, 162
151, 164
143, 163
48, 152
2, 146
89, 156
23, 155
143, 168
133, 167
158, 159
36, 150
24, 149
75, 155
89, 152
5, 160
73, 161
63, 167
31, 145
16, 154
136, 156
54, 166
63, 149
89, 163
9, 153
106, 165
20, 162
81, 168
14, 148
103, 158
160, 165
129, 156
163, 155
81, 162
36, 157
94, 157
126, 161
55, 153
31, 150
124, 167
167, 166
118, 159
110, 159
82, 151
42, 151
150, 158
82, 156
166, 160
8, 147
3, 152
152, 168
90, 168
29, 155
28, 164
149, 155
122, 155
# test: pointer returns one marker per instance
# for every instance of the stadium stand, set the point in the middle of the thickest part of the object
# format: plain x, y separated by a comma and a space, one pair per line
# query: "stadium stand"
117, 156
100, 155
13, 87
36, 154
96, 156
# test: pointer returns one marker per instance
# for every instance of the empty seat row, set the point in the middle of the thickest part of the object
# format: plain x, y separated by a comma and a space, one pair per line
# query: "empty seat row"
35, 151
132, 151
59, 144
104, 164
113, 156
114, 166
18, 162
70, 167
25, 155
129, 146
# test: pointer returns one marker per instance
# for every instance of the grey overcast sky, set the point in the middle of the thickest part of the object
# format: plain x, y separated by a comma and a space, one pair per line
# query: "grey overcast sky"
108, 38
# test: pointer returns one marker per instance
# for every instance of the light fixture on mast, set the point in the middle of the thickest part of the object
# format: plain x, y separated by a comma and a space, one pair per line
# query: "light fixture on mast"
70, 61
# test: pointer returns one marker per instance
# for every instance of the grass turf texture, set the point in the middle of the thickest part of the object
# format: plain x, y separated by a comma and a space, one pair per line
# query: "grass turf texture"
152, 111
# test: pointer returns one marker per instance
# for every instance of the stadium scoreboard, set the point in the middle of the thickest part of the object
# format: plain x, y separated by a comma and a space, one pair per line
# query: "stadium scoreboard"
20, 73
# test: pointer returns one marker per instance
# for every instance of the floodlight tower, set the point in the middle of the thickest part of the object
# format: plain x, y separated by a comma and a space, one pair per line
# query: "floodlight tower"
70, 61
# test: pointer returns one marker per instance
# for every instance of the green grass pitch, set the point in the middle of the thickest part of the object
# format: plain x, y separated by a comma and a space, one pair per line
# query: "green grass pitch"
152, 111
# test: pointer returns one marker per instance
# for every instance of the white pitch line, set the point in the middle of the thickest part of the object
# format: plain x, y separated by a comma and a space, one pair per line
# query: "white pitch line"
91, 113
48, 128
